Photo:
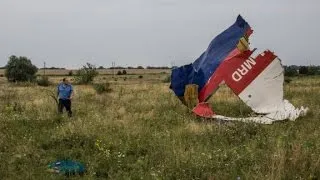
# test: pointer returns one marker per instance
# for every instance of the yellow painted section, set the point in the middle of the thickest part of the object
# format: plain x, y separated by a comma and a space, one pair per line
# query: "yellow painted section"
191, 95
243, 44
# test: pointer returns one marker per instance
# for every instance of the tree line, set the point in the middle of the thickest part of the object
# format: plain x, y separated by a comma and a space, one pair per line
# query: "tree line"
138, 67
294, 70
22, 69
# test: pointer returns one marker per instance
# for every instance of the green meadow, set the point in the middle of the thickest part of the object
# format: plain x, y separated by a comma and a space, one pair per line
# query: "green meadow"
140, 130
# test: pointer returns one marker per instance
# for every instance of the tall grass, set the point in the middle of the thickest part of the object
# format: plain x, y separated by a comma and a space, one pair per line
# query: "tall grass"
143, 131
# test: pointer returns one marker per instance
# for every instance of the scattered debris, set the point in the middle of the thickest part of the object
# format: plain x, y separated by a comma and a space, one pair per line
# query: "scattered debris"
67, 167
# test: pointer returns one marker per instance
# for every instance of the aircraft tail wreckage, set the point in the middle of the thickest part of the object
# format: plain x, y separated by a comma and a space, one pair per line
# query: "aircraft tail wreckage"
257, 81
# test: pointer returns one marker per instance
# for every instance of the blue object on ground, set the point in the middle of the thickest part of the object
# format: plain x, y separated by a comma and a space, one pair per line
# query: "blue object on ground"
67, 167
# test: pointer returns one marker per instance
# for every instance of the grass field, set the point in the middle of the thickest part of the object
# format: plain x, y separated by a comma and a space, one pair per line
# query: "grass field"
140, 130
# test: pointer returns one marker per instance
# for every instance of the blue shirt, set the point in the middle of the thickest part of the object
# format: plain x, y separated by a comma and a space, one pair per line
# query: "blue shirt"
64, 91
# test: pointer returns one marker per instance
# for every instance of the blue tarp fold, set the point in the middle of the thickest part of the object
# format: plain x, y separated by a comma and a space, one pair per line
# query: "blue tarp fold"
203, 68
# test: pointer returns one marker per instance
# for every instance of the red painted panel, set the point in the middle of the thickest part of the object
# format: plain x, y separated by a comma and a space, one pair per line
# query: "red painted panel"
241, 66
262, 61
203, 110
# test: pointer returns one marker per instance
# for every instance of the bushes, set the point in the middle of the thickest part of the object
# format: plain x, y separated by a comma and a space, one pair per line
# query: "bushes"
290, 71
43, 81
70, 73
86, 74
102, 88
20, 69
123, 72
293, 70
167, 79
287, 80
313, 70
303, 70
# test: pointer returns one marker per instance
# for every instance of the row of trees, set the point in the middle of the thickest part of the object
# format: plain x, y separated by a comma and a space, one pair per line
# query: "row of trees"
301, 70
121, 67
55, 68
138, 67
22, 69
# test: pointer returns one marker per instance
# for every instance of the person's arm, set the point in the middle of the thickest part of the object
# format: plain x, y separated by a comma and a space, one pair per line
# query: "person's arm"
71, 93
58, 91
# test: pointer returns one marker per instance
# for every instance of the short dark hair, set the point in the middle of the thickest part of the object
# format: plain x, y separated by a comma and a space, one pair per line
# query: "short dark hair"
64, 79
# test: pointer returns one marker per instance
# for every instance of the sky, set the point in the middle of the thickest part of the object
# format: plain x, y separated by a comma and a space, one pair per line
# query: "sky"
69, 33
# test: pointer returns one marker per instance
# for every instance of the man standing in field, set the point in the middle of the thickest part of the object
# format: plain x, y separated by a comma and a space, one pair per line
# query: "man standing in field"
65, 93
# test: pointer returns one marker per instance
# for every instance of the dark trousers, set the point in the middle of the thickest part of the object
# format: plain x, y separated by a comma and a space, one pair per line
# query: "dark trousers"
65, 103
